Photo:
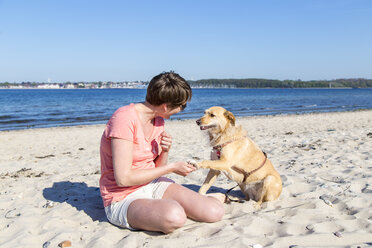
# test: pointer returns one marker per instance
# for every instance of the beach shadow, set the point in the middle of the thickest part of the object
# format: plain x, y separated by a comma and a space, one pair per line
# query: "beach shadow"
214, 189
78, 195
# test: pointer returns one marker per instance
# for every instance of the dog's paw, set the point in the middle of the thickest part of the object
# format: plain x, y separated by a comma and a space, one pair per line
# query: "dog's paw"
257, 205
192, 162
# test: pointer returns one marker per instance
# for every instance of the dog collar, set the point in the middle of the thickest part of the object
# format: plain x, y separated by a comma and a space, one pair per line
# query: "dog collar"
218, 151
218, 148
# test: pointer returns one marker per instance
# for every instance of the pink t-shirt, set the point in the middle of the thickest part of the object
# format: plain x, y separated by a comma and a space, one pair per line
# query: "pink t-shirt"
125, 124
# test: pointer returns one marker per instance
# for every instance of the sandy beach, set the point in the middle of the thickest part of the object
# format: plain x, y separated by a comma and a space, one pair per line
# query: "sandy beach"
50, 193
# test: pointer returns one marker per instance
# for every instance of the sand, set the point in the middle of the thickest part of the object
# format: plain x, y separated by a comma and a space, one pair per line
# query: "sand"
49, 187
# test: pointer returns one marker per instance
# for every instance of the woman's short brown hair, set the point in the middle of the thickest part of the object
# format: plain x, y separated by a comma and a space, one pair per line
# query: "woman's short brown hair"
169, 88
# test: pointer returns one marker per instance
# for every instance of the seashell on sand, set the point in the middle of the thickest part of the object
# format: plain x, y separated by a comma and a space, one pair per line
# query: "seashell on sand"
65, 243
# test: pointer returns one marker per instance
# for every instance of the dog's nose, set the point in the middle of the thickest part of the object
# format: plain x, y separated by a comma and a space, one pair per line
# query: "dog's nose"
198, 122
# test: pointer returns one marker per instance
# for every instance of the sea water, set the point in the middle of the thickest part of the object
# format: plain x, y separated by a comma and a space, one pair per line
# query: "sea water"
35, 108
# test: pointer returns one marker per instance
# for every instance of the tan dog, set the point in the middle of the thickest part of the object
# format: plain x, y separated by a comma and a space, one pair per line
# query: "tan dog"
239, 157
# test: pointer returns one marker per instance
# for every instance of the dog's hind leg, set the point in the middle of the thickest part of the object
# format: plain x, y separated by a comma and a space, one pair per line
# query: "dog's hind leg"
265, 190
211, 177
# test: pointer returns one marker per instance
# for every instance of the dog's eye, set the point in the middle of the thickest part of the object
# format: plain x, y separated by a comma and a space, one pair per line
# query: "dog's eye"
212, 115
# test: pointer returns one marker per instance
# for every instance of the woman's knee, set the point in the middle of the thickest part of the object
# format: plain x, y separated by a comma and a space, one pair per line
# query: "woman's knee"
174, 217
214, 212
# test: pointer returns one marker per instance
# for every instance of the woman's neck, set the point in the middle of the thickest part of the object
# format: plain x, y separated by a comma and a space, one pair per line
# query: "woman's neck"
146, 111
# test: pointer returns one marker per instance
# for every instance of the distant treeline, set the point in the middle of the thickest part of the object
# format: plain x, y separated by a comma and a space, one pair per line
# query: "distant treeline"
210, 83
268, 83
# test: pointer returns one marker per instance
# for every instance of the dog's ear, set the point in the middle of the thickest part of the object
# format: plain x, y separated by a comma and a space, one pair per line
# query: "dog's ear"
230, 117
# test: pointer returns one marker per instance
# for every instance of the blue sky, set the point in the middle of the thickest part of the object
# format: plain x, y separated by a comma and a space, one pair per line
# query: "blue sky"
77, 40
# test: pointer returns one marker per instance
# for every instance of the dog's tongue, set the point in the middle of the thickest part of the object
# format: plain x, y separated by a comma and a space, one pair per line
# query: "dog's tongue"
203, 127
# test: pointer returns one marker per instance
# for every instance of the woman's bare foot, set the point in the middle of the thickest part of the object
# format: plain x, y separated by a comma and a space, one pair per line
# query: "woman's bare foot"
219, 196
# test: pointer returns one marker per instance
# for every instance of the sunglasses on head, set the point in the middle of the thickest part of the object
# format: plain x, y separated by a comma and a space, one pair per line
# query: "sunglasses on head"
183, 106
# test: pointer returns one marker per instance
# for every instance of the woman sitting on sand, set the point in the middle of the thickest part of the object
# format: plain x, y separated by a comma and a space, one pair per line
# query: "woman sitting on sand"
134, 154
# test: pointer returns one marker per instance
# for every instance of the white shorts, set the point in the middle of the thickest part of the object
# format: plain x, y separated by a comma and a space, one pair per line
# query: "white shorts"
117, 212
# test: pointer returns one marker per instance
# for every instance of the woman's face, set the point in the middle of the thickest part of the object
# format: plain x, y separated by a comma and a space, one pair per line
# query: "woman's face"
171, 111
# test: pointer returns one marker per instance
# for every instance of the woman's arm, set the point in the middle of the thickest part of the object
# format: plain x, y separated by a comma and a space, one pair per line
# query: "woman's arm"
162, 159
165, 144
122, 158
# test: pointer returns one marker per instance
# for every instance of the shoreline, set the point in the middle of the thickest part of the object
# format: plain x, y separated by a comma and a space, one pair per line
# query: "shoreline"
139, 88
175, 119
49, 186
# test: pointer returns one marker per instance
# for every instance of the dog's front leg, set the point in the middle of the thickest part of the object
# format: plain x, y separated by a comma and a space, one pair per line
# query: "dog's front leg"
211, 177
220, 165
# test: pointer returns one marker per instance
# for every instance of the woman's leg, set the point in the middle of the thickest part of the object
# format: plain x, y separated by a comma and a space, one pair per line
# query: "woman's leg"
156, 215
196, 206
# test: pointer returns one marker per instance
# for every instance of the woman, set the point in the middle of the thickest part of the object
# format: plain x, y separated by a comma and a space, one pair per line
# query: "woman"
134, 159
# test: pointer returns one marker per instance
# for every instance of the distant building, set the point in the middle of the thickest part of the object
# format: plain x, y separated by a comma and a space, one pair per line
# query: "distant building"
48, 86
69, 86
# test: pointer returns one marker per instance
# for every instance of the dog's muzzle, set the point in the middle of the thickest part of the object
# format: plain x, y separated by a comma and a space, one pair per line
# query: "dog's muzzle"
204, 127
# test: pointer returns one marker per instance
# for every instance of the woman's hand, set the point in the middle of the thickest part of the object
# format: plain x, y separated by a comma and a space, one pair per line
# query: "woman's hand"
182, 168
165, 142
